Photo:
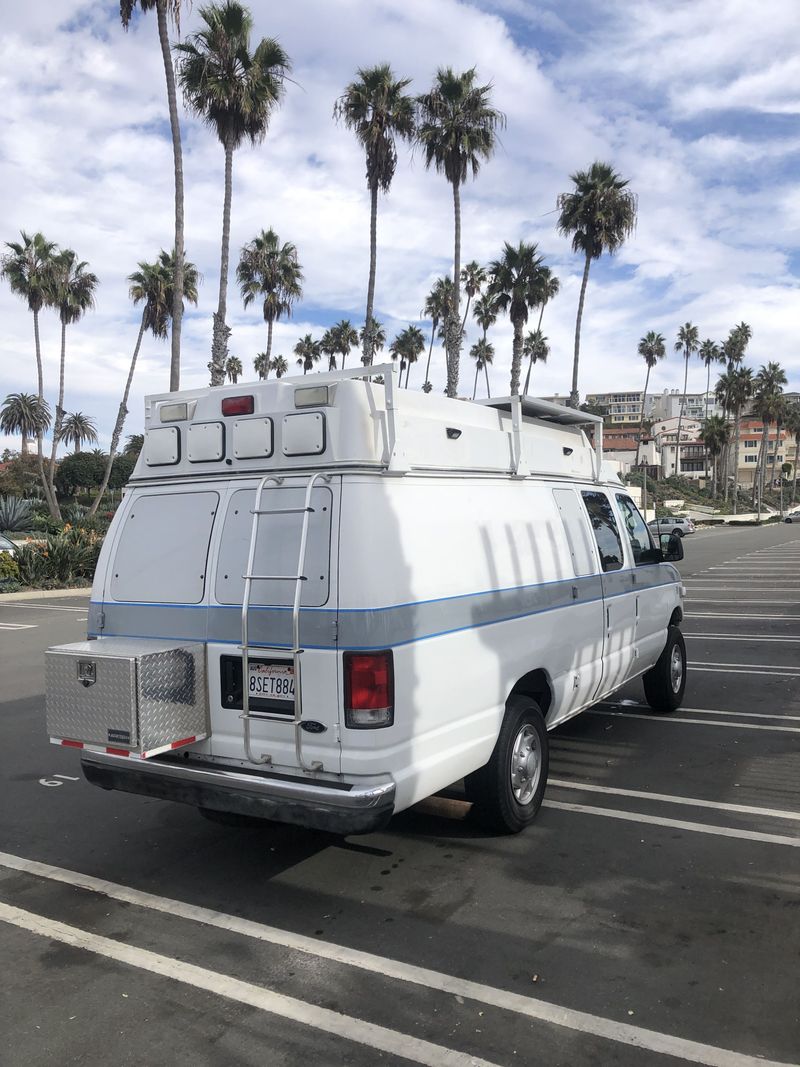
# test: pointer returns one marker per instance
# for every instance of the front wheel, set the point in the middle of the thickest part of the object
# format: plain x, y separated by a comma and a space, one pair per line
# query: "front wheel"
677, 532
507, 793
665, 683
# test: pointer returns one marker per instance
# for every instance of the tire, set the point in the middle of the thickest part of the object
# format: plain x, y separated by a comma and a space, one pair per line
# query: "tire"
677, 532
506, 797
665, 683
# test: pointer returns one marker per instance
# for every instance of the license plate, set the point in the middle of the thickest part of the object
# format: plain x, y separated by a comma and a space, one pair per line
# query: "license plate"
271, 681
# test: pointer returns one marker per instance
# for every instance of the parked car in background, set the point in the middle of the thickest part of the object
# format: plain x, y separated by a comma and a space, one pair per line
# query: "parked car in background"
674, 524
7, 546
793, 516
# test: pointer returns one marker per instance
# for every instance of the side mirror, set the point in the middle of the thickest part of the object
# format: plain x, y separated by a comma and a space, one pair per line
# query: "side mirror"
671, 547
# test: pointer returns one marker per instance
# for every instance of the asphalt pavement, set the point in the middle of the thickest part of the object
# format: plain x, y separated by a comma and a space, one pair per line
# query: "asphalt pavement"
650, 916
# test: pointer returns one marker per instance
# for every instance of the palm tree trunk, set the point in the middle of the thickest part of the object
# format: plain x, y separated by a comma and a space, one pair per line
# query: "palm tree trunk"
641, 417
177, 156
220, 342
475, 383
368, 350
453, 329
778, 431
737, 425
680, 413
516, 358
574, 396
59, 416
269, 340
430, 350
708, 387
528, 377
796, 457
761, 465
486, 373
24, 450
49, 496
122, 412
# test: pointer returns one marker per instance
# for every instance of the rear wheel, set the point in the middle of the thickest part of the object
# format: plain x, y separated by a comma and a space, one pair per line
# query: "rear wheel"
508, 791
678, 532
665, 683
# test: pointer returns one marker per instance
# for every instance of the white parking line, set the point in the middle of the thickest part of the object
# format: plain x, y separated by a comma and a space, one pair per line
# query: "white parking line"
44, 607
742, 666
698, 722
677, 824
709, 711
737, 600
774, 638
735, 615
727, 669
542, 1010
668, 798
18, 626
222, 985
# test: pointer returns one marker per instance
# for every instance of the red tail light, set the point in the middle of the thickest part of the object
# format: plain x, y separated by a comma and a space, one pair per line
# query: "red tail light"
368, 690
238, 405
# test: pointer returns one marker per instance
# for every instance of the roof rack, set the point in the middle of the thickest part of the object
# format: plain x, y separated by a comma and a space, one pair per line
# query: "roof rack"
519, 406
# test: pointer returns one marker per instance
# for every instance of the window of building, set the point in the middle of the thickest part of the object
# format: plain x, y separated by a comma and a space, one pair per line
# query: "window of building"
604, 527
750, 459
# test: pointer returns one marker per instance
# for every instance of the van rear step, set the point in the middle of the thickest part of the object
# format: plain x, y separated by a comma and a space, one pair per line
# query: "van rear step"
127, 696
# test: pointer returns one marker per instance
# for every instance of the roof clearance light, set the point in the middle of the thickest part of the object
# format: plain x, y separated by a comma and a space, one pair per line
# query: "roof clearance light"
173, 412
238, 405
311, 396
368, 690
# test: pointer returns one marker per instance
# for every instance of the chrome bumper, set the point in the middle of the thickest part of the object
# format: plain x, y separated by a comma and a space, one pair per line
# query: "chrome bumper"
354, 807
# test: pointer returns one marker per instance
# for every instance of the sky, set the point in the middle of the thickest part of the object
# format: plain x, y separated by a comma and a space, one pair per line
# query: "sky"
696, 103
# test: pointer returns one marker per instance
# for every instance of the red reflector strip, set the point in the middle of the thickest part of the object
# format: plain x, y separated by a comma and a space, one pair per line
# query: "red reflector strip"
185, 741
238, 405
117, 752
72, 744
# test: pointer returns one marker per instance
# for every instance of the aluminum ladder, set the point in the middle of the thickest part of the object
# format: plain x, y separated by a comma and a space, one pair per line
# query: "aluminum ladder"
296, 651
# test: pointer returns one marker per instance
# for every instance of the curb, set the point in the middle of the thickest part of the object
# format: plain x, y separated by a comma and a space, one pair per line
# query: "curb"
43, 594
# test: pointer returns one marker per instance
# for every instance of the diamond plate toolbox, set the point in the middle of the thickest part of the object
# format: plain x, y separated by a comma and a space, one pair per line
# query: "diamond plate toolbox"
129, 695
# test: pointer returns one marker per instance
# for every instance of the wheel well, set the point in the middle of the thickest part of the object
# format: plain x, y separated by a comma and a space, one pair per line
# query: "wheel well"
677, 617
535, 684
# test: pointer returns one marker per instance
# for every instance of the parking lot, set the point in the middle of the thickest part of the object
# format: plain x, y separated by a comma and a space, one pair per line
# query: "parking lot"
650, 916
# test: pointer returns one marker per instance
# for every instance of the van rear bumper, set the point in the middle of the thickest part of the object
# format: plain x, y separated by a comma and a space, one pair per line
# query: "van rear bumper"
341, 807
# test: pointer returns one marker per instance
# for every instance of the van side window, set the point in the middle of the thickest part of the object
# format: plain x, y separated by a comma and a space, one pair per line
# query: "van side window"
604, 526
635, 528
576, 532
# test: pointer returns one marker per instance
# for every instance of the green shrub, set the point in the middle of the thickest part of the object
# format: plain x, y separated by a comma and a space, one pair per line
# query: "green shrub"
42, 523
15, 514
9, 572
32, 564
63, 559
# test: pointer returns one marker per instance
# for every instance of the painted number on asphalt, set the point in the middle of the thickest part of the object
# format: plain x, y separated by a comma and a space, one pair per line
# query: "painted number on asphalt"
50, 782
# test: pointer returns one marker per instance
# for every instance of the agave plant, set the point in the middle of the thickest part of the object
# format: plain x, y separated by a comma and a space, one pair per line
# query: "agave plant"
15, 514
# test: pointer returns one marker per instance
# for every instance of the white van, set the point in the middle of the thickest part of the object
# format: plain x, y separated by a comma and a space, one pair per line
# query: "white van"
414, 590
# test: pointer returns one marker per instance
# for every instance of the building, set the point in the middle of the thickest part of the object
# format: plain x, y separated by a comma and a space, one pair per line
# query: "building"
624, 408
692, 449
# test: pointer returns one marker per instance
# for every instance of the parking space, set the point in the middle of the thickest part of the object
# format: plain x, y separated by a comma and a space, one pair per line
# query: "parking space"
649, 917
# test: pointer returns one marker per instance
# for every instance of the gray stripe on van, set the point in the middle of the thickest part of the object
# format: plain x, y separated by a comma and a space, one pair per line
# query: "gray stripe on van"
370, 627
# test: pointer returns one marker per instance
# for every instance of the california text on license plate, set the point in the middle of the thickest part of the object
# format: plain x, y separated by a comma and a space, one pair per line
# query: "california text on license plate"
271, 680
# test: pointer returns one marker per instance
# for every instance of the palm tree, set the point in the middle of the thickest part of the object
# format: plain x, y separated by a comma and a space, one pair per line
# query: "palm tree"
376, 108
732, 352
599, 214
408, 346
235, 92
233, 369
767, 405
792, 425
457, 129
279, 365
28, 268
327, 347
397, 350
308, 353
270, 270
262, 365
73, 289
78, 429
376, 338
134, 444
651, 349
344, 337
172, 9
516, 285
473, 278
739, 391
688, 342
536, 350
436, 309
709, 353
150, 285
781, 409
715, 435
483, 354
24, 414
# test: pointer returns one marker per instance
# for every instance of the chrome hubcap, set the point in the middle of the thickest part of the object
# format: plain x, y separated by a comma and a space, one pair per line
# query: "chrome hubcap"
676, 668
526, 765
